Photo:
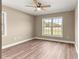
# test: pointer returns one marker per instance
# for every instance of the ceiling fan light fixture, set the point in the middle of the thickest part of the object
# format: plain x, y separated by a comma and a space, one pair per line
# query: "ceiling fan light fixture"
39, 9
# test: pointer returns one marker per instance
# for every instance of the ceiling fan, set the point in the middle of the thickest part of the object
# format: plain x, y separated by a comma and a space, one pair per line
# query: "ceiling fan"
38, 6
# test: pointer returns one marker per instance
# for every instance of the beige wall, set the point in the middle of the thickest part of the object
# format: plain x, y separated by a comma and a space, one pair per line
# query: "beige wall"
76, 28
69, 25
19, 26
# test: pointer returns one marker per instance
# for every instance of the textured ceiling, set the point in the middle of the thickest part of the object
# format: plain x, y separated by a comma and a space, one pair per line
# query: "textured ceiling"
56, 6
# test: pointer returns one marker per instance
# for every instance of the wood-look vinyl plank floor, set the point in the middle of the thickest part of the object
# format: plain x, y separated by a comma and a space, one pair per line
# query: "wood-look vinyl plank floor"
40, 49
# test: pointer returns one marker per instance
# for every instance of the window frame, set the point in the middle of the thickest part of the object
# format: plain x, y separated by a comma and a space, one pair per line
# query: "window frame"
52, 26
4, 21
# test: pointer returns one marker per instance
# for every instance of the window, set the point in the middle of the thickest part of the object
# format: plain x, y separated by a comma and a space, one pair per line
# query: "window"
4, 28
52, 27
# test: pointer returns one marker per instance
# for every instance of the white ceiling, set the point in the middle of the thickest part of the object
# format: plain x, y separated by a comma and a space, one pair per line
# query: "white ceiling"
56, 6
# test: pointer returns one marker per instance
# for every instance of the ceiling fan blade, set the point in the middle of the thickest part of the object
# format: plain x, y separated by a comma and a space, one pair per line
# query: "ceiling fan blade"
35, 2
30, 6
43, 9
46, 6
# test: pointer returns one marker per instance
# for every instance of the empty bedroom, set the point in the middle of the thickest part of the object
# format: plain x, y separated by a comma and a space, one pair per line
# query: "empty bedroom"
39, 29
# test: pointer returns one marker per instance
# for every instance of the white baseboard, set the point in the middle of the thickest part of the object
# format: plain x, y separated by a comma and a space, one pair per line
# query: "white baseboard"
64, 41
10, 45
76, 49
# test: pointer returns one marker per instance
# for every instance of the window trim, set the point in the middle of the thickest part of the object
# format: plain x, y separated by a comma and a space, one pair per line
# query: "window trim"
5, 23
52, 35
